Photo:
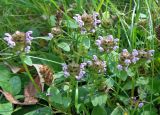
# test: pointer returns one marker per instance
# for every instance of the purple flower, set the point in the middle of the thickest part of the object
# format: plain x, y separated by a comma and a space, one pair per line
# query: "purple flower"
78, 19
92, 30
119, 67
89, 63
100, 37
95, 14
127, 61
66, 74
82, 65
50, 35
83, 31
135, 52
110, 38
96, 21
151, 52
140, 105
101, 49
115, 48
8, 38
95, 57
64, 67
27, 49
98, 42
81, 74
135, 59
28, 37
116, 40
104, 65
125, 51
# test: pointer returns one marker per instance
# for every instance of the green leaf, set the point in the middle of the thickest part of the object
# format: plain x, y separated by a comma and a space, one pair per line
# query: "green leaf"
142, 81
149, 113
122, 75
64, 46
4, 74
71, 24
52, 20
86, 42
41, 111
59, 75
99, 100
6, 109
110, 82
128, 85
55, 95
142, 16
99, 110
130, 72
117, 111
15, 84
66, 101
105, 15
12, 86
153, 87
27, 60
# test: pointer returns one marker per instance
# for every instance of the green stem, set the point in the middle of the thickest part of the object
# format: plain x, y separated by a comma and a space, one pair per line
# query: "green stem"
29, 74
130, 5
100, 5
45, 60
132, 91
76, 97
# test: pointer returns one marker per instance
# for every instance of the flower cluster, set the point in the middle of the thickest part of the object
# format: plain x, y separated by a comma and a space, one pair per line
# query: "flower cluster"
127, 58
74, 69
19, 40
107, 43
97, 64
87, 22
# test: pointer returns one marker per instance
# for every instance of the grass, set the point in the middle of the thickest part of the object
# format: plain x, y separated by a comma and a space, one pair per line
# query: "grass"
132, 21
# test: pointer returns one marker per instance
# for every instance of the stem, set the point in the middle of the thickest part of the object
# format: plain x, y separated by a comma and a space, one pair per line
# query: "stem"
100, 5
130, 5
76, 97
29, 74
45, 60
132, 91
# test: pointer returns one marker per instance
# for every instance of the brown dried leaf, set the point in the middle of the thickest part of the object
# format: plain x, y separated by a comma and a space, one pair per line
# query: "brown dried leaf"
29, 93
9, 97
45, 74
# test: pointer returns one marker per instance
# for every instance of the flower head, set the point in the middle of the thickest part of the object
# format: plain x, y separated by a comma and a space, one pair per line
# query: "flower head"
107, 43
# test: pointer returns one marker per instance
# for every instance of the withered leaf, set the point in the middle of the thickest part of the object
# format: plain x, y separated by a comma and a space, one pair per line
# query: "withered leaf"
45, 74
29, 93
